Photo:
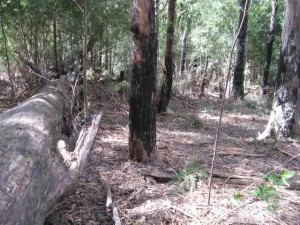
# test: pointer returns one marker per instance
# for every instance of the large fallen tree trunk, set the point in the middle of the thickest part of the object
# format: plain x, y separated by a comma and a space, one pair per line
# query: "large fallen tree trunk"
36, 168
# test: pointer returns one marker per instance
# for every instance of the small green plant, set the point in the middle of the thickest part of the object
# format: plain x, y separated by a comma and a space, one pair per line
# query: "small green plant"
267, 191
280, 179
194, 122
188, 177
191, 173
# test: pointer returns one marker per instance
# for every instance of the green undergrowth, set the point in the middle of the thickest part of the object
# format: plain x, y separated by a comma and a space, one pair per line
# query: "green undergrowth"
267, 190
188, 177
194, 122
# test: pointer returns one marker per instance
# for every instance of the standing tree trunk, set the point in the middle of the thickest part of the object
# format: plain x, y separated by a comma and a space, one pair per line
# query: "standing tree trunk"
85, 58
10, 76
183, 46
284, 120
271, 35
55, 37
142, 114
238, 75
166, 88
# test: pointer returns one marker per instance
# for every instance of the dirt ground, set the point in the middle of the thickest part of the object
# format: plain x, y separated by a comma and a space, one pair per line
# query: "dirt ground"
144, 192
172, 188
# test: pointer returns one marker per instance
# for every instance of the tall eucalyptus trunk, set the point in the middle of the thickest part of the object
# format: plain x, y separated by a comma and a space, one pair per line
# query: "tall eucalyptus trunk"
184, 46
238, 74
166, 88
271, 36
10, 75
142, 113
284, 120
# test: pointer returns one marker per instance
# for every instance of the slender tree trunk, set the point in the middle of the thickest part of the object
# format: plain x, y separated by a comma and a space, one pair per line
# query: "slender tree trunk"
271, 36
22, 30
106, 56
166, 88
206, 64
183, 46
238, 75
284, 120
55, 41
54, 15
10, 76
110, 51
85, 58
142, 113
36, 45
157, 27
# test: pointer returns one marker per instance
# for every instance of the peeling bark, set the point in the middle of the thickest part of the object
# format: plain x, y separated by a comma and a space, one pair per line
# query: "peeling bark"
284, 120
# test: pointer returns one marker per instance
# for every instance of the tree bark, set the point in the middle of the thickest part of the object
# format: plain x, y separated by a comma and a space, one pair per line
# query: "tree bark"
166, 88
10, 76
284, 120
142, 113
85, 58
238, 75
183, 46
55, 38
271, 36
35, 169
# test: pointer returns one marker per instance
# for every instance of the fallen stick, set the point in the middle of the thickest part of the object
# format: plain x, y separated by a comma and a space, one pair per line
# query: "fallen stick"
184, 213
243, 154
184, 102
111, 205
297, 157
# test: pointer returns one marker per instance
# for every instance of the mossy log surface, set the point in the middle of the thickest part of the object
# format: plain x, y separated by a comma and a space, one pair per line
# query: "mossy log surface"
33, 174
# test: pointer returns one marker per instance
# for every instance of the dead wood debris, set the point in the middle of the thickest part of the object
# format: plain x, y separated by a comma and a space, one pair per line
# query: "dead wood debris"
111, 205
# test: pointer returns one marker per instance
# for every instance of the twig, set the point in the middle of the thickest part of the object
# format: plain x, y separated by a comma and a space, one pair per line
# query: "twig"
184, 102
289, 154
185, 213
236, 208
222, 105
111, 205
260, 179
78, 5
160, 11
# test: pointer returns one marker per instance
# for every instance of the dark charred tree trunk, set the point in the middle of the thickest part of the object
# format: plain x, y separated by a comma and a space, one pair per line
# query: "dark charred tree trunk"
183, 46
206, 64
284, 120
271, 35
238, 75
142, 113
166, 88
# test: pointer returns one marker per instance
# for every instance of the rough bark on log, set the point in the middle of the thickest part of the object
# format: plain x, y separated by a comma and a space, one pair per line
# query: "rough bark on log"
33, 173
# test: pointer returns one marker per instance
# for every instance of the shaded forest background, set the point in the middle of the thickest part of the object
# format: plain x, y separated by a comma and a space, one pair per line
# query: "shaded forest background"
50, 34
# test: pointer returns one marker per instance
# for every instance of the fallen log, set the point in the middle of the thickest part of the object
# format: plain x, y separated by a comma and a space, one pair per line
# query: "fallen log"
34, 171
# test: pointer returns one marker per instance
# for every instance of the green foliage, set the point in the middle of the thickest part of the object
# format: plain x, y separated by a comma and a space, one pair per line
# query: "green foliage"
267, 191
255, 107
280, 179
190, 173
188, 177
264, 192
194, 122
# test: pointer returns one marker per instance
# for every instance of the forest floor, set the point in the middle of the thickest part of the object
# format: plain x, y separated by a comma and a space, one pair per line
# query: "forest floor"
144, 192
